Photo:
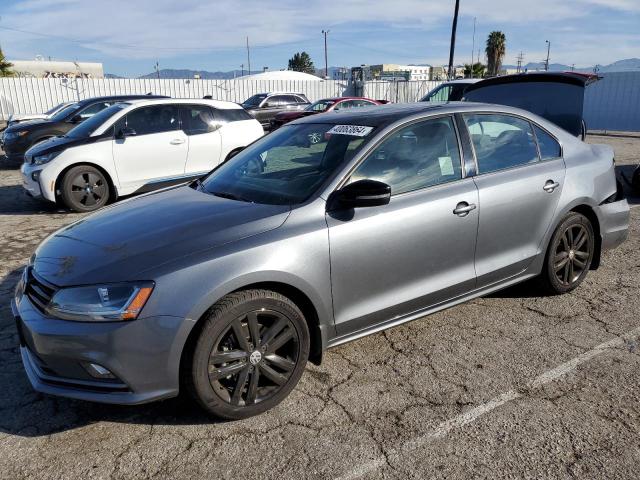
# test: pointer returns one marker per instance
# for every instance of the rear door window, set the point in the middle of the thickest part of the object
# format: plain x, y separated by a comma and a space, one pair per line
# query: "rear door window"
501, 141
549, 146
154, 119
197, 119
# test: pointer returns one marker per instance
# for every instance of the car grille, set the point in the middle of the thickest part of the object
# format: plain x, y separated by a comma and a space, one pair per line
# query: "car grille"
38, 291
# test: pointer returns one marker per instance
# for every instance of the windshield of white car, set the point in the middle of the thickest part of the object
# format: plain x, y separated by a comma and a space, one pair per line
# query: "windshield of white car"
91, 124
254, 101
287, 166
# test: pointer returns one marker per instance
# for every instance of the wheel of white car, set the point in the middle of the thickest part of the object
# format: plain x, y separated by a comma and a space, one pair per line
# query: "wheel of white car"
84, 189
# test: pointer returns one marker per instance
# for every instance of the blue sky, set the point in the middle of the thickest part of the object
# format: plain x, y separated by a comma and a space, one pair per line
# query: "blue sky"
129, 36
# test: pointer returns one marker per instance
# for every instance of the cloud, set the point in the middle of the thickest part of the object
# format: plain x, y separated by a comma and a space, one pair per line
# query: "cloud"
147, 29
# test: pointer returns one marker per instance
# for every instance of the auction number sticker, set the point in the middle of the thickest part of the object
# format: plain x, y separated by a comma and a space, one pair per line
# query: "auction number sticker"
354, 130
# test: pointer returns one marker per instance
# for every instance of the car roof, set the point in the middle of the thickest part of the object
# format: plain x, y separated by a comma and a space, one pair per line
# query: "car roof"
221, 104
467, 81
117, 97
383, 115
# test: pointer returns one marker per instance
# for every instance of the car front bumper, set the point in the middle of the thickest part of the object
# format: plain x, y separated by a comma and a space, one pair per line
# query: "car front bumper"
614, 223
31, 185
143, 355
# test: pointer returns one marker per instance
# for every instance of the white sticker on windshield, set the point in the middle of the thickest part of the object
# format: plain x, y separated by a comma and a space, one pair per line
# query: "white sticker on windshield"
446, 165
354, 130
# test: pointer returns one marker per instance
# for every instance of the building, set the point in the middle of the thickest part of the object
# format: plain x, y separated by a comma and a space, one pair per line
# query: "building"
57, 69
392, 71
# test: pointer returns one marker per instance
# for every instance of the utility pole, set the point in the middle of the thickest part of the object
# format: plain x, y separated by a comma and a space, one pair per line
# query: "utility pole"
453, 38
473, 44
157, 67
548, 50
520, 57
326, 63
248, 57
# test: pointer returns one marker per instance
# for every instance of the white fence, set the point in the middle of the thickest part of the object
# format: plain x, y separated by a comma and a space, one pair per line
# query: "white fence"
36, 95
611, 104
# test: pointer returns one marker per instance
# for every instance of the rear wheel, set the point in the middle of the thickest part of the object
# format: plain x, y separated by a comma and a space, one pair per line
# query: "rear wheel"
84, 189
569, 255
250, 354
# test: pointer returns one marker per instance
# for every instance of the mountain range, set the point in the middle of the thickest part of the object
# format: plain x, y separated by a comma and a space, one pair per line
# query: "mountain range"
627, 65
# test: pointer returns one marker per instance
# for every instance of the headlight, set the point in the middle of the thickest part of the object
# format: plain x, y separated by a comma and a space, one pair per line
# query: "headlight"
100, 303
41, 159
12, 135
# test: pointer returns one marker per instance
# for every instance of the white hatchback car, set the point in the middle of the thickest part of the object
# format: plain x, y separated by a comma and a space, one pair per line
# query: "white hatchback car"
134, 147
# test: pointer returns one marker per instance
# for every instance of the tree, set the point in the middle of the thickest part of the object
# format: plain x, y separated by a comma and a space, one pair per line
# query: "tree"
496, 47
477, 70
5, 66
301, 62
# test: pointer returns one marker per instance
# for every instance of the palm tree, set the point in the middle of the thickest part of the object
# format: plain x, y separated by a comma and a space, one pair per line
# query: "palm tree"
496, 47
476, 70
5, 66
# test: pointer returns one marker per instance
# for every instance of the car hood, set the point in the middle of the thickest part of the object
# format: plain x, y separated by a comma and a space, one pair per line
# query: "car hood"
122, 242
29, 124
55, 144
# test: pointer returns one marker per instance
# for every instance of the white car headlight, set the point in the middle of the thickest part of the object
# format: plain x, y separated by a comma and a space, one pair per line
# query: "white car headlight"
100, 303
42, 159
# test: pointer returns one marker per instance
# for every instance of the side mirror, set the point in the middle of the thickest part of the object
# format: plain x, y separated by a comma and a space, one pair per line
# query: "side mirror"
76, 119
125, 132
363, 193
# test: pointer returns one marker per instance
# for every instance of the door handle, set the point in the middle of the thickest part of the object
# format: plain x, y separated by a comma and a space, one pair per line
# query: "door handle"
463, 209
550, 186
177, 141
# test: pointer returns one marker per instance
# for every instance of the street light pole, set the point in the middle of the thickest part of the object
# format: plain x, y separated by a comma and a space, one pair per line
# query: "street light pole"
473, 45
326, 63
453, 38
548, 49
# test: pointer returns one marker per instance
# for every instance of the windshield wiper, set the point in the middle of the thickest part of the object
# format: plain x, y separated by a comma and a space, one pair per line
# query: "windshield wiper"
231, 196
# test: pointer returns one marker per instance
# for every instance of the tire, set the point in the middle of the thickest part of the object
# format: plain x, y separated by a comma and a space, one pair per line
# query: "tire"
236, 371
569, 255
635, 180
84, 189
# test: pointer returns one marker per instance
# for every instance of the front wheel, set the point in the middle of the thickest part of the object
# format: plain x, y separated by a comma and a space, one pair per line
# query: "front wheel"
250, 354
569, 255
84, 189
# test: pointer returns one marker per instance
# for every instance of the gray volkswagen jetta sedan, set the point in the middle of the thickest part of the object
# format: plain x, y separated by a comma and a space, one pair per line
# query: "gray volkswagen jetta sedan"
331, 228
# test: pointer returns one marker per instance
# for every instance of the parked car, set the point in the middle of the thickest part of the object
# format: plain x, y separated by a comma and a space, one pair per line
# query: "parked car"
323, 106
17, 139
134, 147
14, 119
556, 96
265, 106
228, 285
451, 91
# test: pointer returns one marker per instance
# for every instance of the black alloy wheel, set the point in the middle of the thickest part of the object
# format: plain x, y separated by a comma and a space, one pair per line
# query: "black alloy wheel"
250, 352
569, 255
253, 357
84, 189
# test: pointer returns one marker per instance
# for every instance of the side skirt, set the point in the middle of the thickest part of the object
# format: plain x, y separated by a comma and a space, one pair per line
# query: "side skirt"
526, 275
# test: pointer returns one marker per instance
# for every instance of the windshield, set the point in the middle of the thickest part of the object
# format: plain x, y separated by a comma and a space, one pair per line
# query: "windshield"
65, 112
90, 125
320, 106
254, 101
56, 108
287, 166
